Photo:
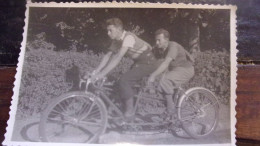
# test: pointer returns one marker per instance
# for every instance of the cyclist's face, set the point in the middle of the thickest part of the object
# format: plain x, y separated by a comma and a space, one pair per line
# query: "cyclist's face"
113, 32
161, 41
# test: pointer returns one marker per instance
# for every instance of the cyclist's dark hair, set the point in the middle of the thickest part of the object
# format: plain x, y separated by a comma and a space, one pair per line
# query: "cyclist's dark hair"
165, 33
115, 21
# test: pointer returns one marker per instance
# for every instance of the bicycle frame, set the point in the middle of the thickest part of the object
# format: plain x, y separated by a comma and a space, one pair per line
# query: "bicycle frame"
102, 93
101, 90
110, 103
104, 96
148, 119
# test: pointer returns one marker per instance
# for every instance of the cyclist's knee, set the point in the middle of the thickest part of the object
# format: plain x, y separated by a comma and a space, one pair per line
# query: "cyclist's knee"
168, 90
167, 86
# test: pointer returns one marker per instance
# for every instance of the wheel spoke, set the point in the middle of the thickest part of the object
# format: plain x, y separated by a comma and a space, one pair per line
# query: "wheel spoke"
83, 109
205, 105
59, 121
58, 113
202, 98
65, 103
187, 110
94, 114
86, 123
74, 117
199, 112
189, 117
191, 103
59, 106
88, 112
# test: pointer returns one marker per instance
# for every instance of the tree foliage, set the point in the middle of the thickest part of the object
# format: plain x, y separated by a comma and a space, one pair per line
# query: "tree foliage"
85, 26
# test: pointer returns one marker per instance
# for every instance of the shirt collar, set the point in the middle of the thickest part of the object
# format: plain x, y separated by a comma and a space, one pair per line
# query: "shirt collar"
123, 35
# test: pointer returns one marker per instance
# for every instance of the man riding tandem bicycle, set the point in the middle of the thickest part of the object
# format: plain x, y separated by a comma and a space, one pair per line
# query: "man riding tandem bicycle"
87, 114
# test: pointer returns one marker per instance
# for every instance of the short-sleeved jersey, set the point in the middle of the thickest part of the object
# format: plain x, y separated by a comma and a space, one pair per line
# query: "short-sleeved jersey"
137, 48
181, 58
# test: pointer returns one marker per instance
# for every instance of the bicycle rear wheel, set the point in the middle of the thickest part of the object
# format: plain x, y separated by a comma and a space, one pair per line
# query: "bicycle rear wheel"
198, 112
76, 117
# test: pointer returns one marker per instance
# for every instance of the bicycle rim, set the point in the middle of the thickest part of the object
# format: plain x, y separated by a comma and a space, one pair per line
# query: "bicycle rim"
199, 112
76, 117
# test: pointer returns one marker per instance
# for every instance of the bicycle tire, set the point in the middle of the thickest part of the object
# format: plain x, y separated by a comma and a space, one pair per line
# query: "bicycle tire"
200, 130
48, 116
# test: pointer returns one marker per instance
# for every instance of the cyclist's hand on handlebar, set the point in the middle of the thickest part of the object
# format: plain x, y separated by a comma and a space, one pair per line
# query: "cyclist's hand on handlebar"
96, 77
86, 76
94, 72
150, 81
89, 75
149, 85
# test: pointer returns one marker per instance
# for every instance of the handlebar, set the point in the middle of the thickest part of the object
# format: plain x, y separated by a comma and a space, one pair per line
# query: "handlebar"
149, 89
103, 84
98, 84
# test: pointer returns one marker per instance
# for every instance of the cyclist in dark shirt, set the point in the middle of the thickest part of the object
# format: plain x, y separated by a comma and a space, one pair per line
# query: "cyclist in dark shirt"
176, 68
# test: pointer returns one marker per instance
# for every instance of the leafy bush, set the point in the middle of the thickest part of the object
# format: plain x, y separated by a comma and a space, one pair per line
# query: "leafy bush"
44, 73
212, 71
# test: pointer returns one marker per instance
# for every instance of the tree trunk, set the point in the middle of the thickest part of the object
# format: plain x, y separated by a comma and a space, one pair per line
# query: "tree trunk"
194, 38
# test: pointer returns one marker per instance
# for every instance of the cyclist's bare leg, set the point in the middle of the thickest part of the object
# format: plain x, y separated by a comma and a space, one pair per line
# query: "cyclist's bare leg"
127, 82
129, 107
169, 104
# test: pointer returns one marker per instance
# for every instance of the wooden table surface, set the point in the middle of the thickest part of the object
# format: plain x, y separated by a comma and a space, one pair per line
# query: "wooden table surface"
248, 103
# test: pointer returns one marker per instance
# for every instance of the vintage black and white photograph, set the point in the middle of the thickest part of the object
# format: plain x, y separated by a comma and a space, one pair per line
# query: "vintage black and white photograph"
125, 73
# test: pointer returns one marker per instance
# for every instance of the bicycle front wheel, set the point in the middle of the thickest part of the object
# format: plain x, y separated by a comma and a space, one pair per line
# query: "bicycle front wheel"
76, 117
198, 112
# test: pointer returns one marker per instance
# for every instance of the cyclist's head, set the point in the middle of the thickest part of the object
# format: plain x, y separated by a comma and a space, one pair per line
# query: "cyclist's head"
116, 22
114, 28
162, 38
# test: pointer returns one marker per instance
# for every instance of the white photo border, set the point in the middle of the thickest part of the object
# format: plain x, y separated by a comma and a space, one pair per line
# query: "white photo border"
18, 76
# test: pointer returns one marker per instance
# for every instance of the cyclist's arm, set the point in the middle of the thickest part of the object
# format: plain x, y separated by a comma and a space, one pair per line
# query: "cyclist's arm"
114, 61
104, 61
162, 67
171, 55
128, 42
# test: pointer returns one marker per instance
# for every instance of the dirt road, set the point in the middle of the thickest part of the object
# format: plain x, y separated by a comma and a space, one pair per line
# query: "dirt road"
27, 130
